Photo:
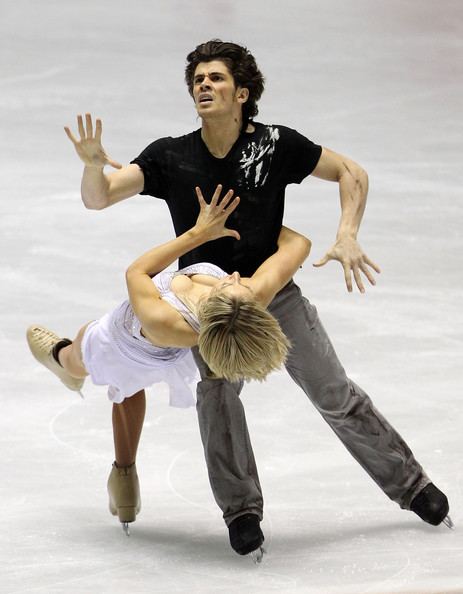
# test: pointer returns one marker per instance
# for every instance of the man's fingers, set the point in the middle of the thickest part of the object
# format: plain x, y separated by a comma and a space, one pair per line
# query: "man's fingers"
80, 126
354, 262
70, 135
89, 125
375, 267
347, 277
322, 262
368, 274
98, 130
114, 164
358, 279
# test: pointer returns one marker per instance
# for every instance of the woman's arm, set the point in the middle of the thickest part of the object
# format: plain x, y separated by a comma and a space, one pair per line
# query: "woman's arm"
277, 271
143, 295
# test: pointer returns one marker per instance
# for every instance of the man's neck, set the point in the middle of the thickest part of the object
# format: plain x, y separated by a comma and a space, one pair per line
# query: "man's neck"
220, 135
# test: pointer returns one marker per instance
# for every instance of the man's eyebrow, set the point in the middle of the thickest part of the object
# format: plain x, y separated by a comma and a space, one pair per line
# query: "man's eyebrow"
208, 73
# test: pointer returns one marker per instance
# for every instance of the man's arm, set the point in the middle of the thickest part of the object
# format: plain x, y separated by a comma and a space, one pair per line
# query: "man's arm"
99, 190
353, 191
273, 274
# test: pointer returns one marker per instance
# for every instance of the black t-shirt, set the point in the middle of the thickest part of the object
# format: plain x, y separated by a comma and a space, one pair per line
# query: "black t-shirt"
258, 168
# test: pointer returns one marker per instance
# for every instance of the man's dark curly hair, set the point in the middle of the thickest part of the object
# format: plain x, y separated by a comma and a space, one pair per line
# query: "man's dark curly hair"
241, 64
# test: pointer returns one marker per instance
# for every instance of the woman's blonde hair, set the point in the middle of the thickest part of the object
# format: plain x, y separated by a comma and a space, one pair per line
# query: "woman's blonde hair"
239, 339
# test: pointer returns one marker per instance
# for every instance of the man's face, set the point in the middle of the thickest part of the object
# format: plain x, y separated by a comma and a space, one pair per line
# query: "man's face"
214, 90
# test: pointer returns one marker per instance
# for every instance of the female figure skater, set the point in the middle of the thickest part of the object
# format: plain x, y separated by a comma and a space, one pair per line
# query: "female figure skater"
166, 315
147, 339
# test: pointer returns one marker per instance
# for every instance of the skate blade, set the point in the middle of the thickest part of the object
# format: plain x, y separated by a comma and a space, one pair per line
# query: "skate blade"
81, 394
125, 528
258, 555
448, 522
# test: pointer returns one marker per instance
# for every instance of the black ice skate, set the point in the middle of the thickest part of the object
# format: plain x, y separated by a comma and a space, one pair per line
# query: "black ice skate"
247, 537
432, 506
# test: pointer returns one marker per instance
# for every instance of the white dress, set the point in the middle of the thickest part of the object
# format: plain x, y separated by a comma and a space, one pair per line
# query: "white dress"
116, 354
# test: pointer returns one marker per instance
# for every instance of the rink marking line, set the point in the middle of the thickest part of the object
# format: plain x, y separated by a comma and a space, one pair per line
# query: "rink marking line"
52, 422
54, 435
173, 489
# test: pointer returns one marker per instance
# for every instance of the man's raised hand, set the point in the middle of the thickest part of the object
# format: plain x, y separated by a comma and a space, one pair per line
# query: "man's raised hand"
89, 147
348, 252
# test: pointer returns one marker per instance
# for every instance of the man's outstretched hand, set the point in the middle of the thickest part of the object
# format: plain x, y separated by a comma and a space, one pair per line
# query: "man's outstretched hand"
354, 261
89, 147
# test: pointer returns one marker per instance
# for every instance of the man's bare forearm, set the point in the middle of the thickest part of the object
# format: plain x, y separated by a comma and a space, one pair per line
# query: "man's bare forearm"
353, 190
94, 188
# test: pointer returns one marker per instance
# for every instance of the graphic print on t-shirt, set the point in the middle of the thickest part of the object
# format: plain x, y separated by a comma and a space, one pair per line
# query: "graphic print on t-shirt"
256, 159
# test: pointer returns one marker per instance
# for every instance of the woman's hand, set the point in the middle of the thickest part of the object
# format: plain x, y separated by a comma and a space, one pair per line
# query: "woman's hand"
213, 216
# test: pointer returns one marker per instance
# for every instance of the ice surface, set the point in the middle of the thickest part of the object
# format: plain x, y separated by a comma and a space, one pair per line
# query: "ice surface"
378, 81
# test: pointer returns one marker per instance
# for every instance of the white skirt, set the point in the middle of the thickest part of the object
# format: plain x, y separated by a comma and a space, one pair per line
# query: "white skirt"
113, 357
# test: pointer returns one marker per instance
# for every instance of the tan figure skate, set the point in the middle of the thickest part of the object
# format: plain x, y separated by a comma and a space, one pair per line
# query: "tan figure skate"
41, 342
124, 494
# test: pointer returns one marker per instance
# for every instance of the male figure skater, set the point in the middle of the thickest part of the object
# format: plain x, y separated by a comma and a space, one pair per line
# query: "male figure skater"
258, 161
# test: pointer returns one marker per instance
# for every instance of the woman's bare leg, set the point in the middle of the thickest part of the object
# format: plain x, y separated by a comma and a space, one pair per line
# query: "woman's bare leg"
123, 484
128, 417
70, 357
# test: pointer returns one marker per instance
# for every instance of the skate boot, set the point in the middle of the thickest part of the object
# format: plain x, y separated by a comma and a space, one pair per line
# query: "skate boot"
247, 537
45, 346
432, 506
124, 494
